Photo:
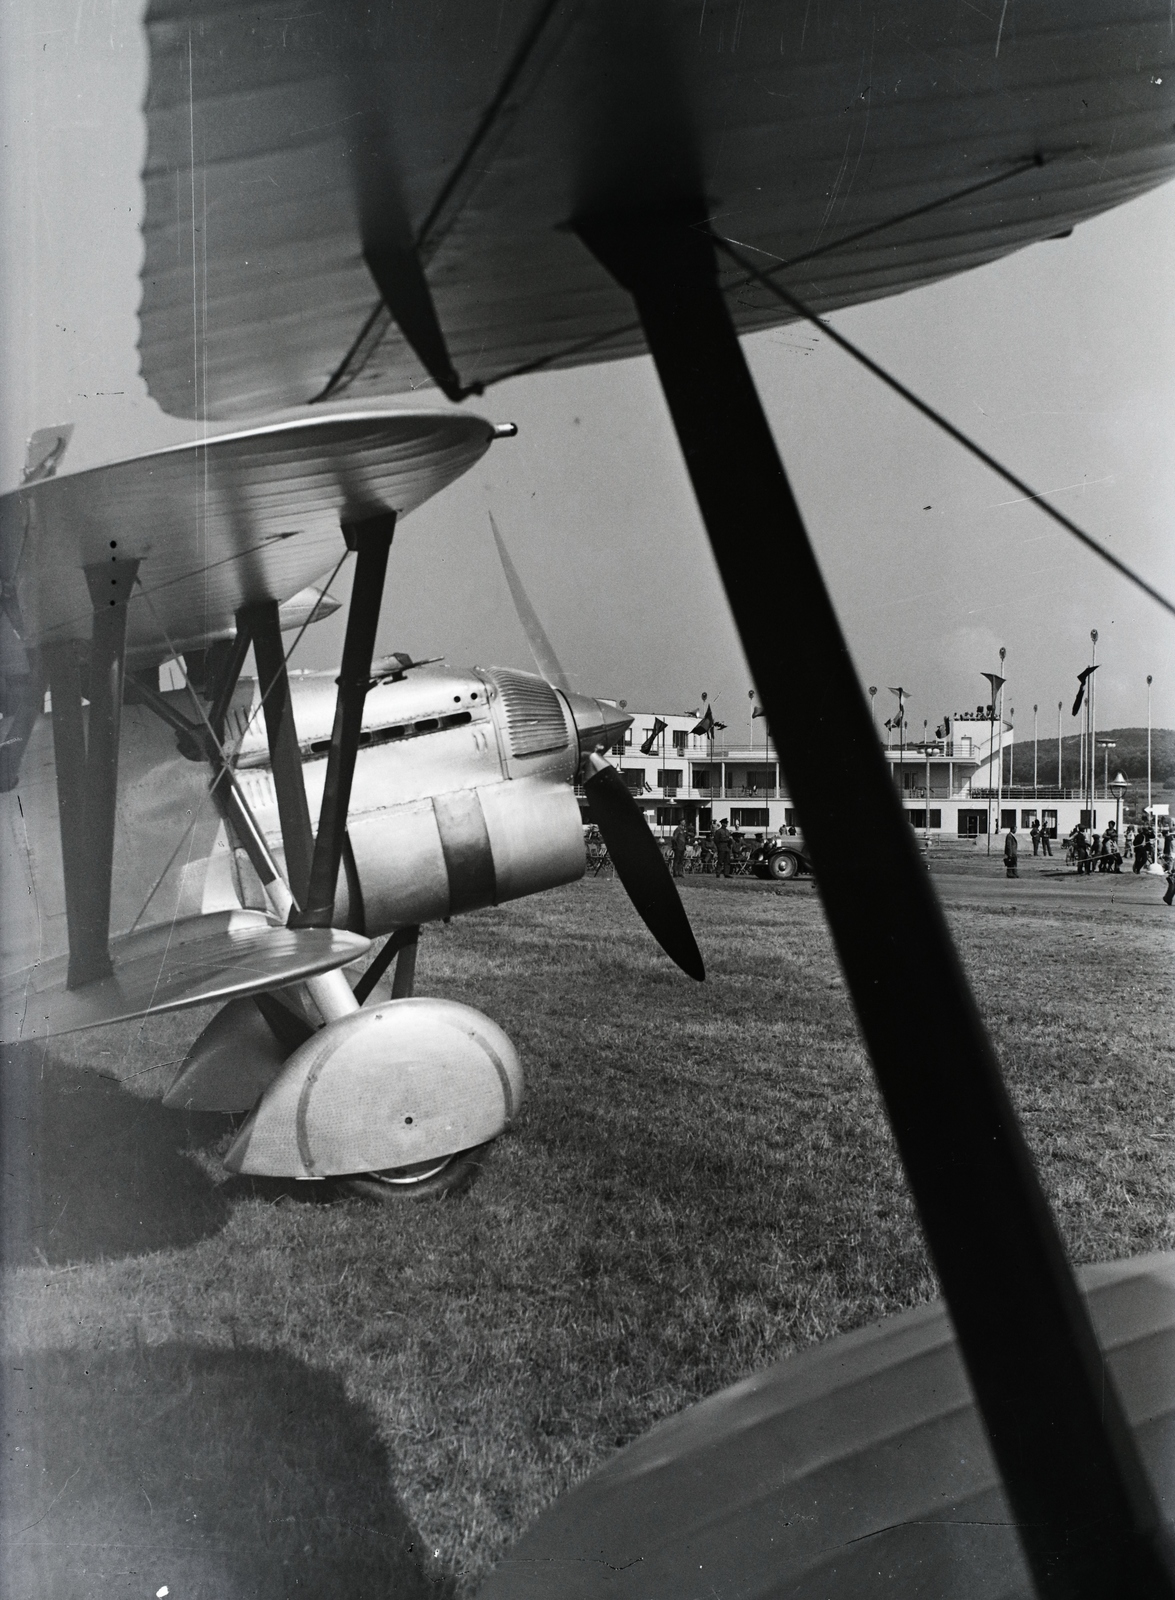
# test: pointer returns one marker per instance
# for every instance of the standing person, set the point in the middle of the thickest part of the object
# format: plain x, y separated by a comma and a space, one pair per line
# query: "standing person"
1081, 851
1035, 831
1012, 854
1045, 846
723, 844
707, 848
680, 840
1140, 850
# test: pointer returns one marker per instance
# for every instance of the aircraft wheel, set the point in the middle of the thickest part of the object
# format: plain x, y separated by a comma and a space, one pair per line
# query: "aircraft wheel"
784, 866
424, 1180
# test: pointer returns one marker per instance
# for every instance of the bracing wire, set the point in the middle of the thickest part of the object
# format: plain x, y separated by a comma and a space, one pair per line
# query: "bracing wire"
948, 427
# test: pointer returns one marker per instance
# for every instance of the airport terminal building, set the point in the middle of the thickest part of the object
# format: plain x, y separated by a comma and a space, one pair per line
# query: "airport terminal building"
948, 783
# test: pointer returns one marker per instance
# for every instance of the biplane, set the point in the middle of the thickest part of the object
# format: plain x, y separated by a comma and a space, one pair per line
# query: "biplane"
242, 840
463, 194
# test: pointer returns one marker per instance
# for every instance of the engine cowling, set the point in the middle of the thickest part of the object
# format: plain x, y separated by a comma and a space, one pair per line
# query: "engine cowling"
409, 1081
438, 856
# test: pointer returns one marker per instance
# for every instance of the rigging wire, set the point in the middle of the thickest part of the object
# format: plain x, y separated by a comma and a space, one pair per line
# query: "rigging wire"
948, 427
254, 713
1026, 164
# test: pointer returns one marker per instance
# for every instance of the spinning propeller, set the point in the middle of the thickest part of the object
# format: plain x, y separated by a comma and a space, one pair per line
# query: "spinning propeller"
634, 852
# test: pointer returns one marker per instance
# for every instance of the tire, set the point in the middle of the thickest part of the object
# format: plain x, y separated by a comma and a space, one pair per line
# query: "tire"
427, 1180
784, 866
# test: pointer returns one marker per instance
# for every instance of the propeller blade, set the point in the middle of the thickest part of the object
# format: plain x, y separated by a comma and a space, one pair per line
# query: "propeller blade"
540, 646
640, 866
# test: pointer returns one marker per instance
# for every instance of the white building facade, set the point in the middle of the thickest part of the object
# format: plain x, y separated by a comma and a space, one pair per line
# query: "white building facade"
948, 783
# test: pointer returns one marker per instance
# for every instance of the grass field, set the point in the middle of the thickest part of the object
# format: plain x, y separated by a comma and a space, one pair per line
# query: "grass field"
241, 1390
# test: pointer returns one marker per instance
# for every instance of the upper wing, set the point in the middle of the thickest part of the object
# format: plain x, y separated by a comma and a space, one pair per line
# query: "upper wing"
217, 525
459, 139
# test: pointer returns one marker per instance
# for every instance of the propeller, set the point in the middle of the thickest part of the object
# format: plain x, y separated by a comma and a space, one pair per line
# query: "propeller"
634, 852
640, 866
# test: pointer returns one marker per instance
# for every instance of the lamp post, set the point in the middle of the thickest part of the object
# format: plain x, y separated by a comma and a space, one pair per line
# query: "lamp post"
1118, 787
1107, 745
873, 704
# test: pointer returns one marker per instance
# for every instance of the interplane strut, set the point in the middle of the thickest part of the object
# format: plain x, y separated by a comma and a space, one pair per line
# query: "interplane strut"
1084, 1508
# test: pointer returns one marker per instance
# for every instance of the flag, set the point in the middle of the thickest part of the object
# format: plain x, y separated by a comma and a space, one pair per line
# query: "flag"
1081, 677
757, 711
707, 724
997, 684
655, 733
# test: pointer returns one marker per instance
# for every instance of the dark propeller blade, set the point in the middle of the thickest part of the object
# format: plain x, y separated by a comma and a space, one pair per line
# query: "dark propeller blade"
640, 866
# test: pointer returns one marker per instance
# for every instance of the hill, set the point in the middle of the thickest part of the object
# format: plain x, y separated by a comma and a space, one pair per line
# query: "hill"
1128, 757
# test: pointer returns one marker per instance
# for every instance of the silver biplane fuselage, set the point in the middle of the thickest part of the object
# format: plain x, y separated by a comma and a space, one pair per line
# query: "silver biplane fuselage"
462, 798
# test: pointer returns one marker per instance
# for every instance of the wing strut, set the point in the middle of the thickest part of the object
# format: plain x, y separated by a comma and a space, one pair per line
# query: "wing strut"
371, 540
85, 755
262, 623
1084, 1508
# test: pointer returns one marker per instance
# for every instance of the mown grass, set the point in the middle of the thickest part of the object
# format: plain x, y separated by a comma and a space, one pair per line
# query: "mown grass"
701, 1181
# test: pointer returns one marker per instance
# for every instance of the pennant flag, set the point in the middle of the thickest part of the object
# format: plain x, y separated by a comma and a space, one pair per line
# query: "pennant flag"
655, 733
757, 711
1081, 679
997, 684
706, 725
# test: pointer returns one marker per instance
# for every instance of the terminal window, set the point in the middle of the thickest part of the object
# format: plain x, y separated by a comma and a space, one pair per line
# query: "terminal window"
971, 823
680, 740
669, 777
918, 818
750, 817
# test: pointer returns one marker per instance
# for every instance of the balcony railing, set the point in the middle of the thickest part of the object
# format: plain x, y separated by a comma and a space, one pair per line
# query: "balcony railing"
1043, 791
741, 791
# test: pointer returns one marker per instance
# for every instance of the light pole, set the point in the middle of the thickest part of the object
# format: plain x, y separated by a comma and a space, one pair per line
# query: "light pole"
1119, 787
873, 703
1107, 745
1035, 785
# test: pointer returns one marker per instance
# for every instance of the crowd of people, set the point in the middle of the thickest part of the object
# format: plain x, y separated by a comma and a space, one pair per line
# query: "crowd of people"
724, 851
1142, 846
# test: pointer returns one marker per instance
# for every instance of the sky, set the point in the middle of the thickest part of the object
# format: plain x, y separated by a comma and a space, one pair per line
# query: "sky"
1060, 360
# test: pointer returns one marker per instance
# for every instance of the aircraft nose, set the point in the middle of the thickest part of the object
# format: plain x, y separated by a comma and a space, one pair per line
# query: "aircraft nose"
599, 724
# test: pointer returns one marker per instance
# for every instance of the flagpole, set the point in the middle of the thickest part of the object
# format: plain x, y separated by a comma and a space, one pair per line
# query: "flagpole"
1148, 741
1012, 750
990, 755
1060, 740
999, 802
1035, 784
1092, 731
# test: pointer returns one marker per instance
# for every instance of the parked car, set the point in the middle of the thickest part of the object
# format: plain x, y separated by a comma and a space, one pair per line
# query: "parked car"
781, 856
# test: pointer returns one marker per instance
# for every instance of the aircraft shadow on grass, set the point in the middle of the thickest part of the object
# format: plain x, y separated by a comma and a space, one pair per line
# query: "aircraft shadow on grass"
209, 1474
91, 1172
